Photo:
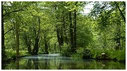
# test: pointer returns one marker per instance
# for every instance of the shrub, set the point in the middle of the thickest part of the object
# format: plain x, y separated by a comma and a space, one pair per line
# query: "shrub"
84, 53
79, 53
96, 52
108, 53
87, 54
117, 54
66, 50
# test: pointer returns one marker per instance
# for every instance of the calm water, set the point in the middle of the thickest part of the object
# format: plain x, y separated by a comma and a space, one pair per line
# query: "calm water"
55, 61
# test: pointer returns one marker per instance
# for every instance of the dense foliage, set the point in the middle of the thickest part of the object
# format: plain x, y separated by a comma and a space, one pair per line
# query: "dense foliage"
31, 28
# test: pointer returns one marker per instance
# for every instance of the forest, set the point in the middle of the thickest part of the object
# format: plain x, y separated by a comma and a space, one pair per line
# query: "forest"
36, 30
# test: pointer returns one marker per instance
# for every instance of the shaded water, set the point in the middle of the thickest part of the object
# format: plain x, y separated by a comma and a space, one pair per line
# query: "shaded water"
55, 61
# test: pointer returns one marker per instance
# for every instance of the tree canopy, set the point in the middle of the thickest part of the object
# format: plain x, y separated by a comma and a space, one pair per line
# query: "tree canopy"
31, 28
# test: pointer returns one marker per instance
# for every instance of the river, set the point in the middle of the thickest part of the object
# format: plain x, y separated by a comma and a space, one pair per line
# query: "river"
55, 61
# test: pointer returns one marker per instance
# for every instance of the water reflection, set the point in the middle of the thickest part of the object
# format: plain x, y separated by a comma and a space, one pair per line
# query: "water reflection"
29, 64
17, 64
35, 63
58, 62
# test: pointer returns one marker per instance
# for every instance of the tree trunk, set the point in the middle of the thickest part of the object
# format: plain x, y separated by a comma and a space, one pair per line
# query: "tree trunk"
27, 42
118, 37
46, 45
29, 48
35, 50
17, 39
3, 46
36, 47
61, 36
75, 22
58, 38
122, 15
71, 31
64, 30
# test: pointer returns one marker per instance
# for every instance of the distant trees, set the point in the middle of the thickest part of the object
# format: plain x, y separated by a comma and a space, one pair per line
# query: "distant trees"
107, 19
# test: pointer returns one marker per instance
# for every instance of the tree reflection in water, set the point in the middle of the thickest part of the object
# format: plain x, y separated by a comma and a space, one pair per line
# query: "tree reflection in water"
50, 62
35, 63
17, 64
29, 64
